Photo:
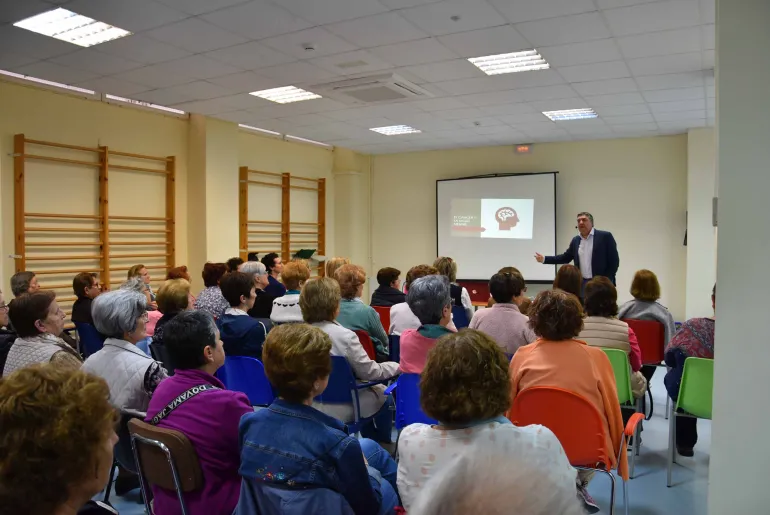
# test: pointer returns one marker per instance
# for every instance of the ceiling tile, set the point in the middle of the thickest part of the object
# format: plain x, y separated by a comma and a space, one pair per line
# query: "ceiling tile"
526, 10
681, 126
112, 85
332, 11
558, 104
134, 16
682, 105
672, 116
205, 107
488, 99
709, 59
242, 101
257, 20
199, 67
12, 11
473, 85
368, 123
426, 50
14, 40
303, 120
377, 30
436, 18
523, 119
618, 99
245, 82
563, 30
661, 43
250, 56
663, 64
439, 104
622, 110
425, 121
96, 62
508, 109
595, 71
293, 73
635, 128
546, 93
195, 35
162, 97
199, 89
239, 117
671, 81
197, 7
605, 87
9, 60
499, 130
446, 70
153, 76
653, 17
711, 92
609, 4
581, 53
672, 95
478, 122
460, 114
356, 62
628, 119
708, 11
323, 42
142, 49
55, 72
709, 37
711, 104
475, 43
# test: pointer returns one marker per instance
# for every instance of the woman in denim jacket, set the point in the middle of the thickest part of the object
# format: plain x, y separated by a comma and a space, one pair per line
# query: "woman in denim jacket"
292, 447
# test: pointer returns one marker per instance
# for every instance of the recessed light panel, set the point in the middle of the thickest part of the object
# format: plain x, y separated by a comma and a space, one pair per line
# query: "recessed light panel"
72, 27
285, 94
571, 114
524, 61
395, 130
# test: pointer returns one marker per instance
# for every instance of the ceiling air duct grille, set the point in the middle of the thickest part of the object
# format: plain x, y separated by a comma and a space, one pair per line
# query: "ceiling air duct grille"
384, 87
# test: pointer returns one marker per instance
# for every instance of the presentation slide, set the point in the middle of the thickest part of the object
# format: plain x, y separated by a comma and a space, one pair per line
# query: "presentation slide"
487, 223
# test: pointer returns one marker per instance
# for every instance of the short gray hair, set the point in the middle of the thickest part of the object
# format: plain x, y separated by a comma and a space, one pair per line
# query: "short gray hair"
427, 298
117, 312
254, 268
20, 282
134, 284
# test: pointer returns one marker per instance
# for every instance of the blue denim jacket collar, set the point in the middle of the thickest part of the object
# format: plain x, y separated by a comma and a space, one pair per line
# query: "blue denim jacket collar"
300, 410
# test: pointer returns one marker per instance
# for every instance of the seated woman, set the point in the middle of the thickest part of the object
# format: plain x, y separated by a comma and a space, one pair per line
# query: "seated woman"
210, 419
57, 440
557, 359
354, 314
645, 289
173, 298
447, 267
131, 374
320, 304
293, 446
210, 299
233, 263
37, 319
136, 284
7, 334
601, 328
503, 321
332, 265
286, 308
388, 292
241, 334
695, 339
430, 301
86, 288
142, 273
263, 304
181, 272
466, 387
569, 279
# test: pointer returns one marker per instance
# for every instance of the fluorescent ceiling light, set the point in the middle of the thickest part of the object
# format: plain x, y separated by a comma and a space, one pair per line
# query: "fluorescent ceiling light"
72, 27
524, 61
144, 104
285, 94
47, 82
289, 137
257, 129
395, 130
571, 114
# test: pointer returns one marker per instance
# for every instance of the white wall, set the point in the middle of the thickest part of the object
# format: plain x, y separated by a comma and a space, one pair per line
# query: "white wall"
635, 188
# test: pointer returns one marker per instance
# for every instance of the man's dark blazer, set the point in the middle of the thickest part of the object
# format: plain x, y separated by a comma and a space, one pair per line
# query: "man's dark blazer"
604, 261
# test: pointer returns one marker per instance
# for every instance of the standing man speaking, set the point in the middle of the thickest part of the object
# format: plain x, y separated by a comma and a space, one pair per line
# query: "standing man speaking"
594, 252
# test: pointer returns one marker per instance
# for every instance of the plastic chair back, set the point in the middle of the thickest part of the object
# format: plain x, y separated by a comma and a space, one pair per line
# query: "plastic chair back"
394, 347
622, 370
122, 452
408, 409
384, 312
697, 387
367, 343
90, 339
459, 317
652, 340
247, 375
574, 420
341, 385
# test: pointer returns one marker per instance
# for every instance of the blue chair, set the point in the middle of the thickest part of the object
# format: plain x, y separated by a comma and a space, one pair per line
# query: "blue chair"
343, 389
395, 347
90, 339
247, 375
460, 317
408, 409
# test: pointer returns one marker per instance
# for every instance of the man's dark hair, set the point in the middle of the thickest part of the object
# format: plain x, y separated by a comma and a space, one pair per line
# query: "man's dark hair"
586, 213
20, 282
252, 256
387, 275
504, 287
186, 336
82, 281
233, 286
269, 261
233, 263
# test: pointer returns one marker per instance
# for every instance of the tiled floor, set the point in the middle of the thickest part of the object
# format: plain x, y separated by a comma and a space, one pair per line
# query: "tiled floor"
647, 491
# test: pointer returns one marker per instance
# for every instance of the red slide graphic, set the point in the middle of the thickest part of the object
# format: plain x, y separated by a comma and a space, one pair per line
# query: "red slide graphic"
466, 228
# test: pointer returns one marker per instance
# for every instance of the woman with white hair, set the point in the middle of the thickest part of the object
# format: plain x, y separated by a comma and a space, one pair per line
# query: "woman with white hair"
132, 375
263, 305
430, 301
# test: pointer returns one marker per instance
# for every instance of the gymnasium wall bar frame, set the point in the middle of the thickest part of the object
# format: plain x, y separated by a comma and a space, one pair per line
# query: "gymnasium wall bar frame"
62, 243
290, 236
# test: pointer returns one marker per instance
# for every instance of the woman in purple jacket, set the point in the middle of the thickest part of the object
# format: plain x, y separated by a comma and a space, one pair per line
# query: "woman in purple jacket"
209, 419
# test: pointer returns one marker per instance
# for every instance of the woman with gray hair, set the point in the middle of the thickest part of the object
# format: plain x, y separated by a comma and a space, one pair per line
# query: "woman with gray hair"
430, 301
263, 305
132, 376
137, 284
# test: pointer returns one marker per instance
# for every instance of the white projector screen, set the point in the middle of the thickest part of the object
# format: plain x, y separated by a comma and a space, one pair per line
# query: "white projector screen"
486, 223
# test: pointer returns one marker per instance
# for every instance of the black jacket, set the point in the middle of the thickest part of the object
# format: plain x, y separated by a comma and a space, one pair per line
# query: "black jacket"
263, 305
7, 337
81, 311
387, 296
604, 260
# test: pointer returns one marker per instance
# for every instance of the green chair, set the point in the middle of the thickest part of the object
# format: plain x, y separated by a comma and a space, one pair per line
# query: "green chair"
622, 369
694, 398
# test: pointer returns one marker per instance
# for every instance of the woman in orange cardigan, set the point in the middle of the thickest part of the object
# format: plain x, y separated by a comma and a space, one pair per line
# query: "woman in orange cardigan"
557, 359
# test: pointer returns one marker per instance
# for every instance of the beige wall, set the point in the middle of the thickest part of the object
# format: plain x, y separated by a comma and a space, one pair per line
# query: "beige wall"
636, 188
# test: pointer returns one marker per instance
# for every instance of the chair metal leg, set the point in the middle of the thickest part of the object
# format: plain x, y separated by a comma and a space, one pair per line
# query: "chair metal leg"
625, 495
668, 402
671, 443
106, 499
612, 492
142, 484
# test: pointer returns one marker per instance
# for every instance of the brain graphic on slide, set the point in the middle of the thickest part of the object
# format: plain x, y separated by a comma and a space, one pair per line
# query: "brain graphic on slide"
506, 218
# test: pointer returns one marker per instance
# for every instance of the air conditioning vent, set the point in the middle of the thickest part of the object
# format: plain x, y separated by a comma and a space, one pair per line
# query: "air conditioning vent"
384, 87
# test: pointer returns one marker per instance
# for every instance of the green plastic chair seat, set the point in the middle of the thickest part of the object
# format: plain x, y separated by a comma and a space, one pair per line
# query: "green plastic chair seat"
697, 387
622, 370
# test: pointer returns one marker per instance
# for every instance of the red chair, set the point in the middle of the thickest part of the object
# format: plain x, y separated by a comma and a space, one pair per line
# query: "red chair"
577, 424
651, 336
384, 312
366, 343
